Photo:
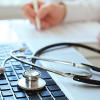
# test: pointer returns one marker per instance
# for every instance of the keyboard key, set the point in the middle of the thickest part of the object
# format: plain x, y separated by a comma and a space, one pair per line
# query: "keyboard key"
34, 97
22, 99
20, 76
24, 45
27, 67
12, 78
58, 94
31, 93
6, 46
28, 52
17, 67
8, 51
45, 94
8, 55
5, 87
43, 89
10, 73
2, 55
2, 58
50, 82
7, 93
9, 69
62, 98
7, 65
16, 89
1, 61
9, 98
16, 63
19, 71
1, 51
13, 83
3, 81
2, 76
53, 88
48, 98
45, 75
20, 95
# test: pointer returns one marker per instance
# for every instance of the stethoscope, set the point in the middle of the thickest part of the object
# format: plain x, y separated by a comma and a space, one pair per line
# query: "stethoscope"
32, 78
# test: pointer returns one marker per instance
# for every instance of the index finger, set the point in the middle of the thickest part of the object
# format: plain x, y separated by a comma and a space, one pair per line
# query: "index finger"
28, 8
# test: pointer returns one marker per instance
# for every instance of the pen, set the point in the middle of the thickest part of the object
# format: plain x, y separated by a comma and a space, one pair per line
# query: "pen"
35, 4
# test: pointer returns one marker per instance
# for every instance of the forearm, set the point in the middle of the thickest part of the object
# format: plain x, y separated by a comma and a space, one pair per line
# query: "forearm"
82, 10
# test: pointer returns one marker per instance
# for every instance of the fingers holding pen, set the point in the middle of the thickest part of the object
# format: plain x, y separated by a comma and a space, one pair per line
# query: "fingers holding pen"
44, 24
30, 17
28, 8
44, 10
31, 14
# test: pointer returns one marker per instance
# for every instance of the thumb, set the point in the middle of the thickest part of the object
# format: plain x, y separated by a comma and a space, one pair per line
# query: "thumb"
44, 10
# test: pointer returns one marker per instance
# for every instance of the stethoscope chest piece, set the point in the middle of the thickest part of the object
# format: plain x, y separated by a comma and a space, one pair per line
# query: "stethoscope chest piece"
31, 80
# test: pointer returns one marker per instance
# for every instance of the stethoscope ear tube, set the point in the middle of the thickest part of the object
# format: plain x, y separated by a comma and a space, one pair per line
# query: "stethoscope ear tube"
47, 48
76, 77
85, 80
92, 67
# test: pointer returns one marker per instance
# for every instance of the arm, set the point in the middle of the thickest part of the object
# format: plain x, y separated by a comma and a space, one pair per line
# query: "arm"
86, 10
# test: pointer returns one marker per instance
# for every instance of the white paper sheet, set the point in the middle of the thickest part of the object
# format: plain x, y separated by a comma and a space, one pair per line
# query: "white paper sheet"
6, 31
82, 32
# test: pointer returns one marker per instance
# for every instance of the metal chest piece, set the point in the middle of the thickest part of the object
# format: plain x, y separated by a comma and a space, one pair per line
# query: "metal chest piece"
31, 80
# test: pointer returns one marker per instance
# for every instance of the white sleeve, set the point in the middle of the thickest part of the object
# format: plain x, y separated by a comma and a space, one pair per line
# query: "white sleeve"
83, 10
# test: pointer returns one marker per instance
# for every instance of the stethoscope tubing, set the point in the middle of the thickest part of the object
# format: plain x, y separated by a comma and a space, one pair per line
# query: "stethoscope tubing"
40, 51
70, 75
79, 78
44, 49
32, 64
76, 77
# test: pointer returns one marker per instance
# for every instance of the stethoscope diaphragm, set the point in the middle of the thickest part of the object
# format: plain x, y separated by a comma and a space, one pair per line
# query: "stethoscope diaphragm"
31, 80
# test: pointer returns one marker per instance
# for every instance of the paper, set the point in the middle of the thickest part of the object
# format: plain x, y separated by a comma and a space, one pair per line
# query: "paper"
6, 31
81, 32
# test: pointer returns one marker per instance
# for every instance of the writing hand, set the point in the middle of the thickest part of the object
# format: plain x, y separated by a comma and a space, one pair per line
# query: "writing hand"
49, 14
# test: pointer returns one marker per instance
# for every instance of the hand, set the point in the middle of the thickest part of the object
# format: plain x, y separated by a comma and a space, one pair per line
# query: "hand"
98, 37
49, 14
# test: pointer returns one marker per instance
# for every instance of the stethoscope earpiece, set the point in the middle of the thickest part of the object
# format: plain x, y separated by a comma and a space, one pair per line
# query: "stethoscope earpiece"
22, 49
2, 70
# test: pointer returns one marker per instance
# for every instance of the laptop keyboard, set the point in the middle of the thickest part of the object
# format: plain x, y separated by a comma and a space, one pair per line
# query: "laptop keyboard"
14, 69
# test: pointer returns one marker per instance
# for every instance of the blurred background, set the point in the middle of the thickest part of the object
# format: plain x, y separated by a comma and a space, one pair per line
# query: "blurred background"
11, 9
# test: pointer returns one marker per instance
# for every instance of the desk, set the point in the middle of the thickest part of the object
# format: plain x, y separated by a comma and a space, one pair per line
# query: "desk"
21, 29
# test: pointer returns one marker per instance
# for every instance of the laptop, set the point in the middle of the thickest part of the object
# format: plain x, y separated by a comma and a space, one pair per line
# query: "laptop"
57, 87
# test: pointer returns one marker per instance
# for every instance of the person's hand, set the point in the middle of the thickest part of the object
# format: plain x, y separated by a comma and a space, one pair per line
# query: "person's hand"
49, 14
98, 37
